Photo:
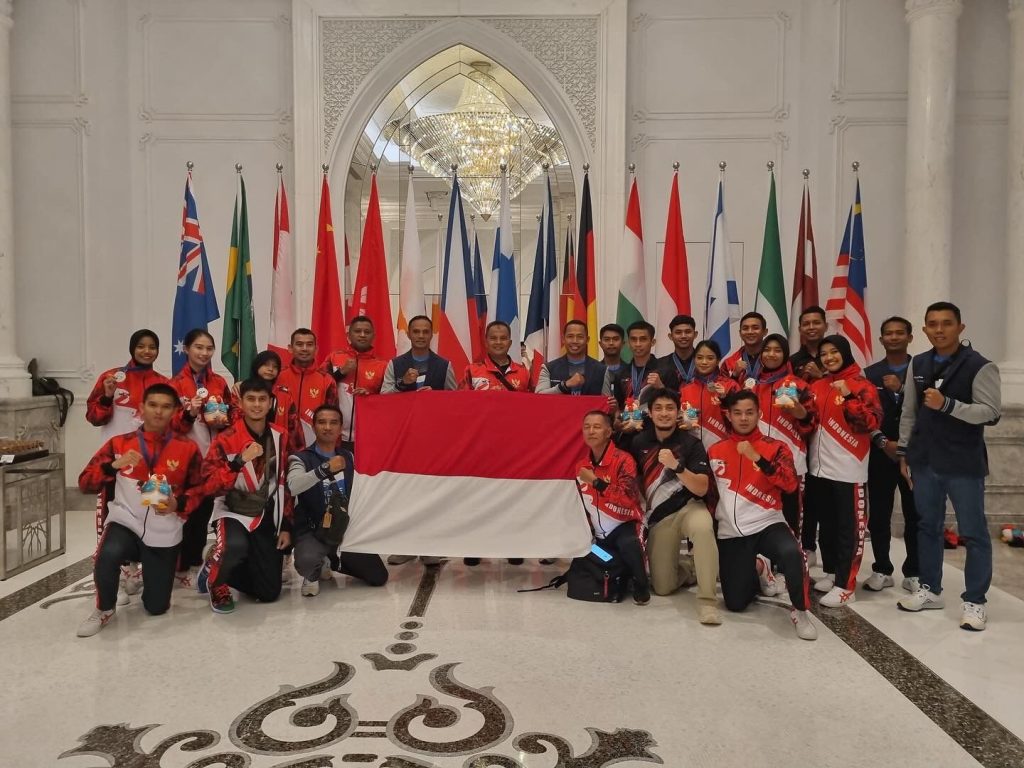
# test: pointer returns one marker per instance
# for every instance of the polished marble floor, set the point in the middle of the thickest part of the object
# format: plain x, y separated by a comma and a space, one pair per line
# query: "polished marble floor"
452, 667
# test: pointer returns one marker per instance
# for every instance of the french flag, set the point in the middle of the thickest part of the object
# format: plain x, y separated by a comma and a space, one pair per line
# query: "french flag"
479, 497
458, 306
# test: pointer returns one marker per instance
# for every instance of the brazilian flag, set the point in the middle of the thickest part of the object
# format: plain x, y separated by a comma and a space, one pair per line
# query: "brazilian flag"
238, 346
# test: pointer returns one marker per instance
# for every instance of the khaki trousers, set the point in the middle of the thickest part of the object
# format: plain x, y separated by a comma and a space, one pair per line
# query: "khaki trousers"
692, 522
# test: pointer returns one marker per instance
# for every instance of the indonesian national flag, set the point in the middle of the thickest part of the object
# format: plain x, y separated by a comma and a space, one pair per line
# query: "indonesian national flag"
479, 497
674, 289
370, 296
805, 276
328, 319
282, 294
410, 292
457, 317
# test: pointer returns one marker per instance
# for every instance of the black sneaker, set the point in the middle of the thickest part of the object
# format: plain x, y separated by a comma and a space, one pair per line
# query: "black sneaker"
515, 561
642, 595
471, 561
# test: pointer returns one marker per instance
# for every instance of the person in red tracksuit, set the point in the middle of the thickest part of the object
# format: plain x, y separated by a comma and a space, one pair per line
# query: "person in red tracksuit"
358, 372
787, 414
142, 524
848, 411
751, 473
197, 385
245, 472
705, 393
745, 363
498, 372
308, 386
113, 406
611, 497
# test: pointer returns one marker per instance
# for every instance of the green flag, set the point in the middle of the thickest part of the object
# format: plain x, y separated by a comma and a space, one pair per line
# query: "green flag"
238, 346
771, 288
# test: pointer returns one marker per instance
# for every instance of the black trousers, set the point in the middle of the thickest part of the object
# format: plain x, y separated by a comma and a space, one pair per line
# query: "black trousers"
624, 542
883, 479
247, 560
738, 572
194, 534
792, 510
841, 510
119, 545
808, 521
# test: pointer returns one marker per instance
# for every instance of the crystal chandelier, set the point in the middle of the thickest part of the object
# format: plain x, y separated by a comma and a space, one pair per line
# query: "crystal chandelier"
478, 136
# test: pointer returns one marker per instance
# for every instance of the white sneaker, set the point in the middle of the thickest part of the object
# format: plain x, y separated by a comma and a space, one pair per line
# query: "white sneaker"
186, 579
132, 578
826, 583
122, 595
325, 570
769, 588
876, 582
972, 617
812, 558
911, 583
96, 621
838, 597
310, 588
805, 628
400, 559
922, 600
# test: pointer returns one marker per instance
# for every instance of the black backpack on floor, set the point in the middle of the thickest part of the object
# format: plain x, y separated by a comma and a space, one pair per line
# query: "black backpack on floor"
592, 579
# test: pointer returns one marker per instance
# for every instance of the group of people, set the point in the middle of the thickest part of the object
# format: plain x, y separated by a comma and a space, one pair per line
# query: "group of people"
751, 461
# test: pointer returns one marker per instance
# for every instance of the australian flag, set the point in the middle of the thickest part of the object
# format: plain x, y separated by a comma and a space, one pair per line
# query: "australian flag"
195, 304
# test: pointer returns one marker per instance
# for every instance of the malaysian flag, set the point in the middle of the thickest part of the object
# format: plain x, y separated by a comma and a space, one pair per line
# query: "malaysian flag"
847, 309
195, 304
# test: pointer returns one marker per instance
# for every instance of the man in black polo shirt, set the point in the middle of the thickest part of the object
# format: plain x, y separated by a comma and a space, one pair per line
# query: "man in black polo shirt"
956, 392
677, 368
674, 477
574, 373
889, 375
420, 368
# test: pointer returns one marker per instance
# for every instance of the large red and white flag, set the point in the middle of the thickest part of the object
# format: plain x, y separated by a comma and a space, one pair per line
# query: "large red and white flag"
410, 283
480, 497
282, 292
370, 294
674, 289
328, 318
805, 275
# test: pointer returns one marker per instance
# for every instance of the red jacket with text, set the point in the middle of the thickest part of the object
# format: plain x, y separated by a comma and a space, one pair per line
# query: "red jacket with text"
614, 498
368, 375
186, 382
711, 425
781, 424
842, 441
487, 376
309, 388
120, 413
749, 494
171, 455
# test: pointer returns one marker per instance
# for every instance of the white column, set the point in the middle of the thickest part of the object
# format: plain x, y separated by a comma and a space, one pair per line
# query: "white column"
1013, 370
14, 381
931, 105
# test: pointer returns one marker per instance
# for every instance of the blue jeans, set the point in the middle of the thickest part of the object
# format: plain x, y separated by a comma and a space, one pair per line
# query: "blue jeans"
967, 494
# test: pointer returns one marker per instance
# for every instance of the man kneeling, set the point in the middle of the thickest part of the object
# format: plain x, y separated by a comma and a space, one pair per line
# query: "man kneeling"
608, 486
314, 475
751, 473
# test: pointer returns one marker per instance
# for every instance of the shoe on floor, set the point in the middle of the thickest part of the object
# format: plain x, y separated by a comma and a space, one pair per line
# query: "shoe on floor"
221, 600
769, 586
826, 583
812, 558
642, 595
310, 587
430, 560
708, 614
122, 595
922, 600
132, 578
287, 567
471, 561
972, 617
515, 561
838, 597
203, 578
325, 570
400, 559
805, 628
186, 579
876, 582
911, 583
96, 621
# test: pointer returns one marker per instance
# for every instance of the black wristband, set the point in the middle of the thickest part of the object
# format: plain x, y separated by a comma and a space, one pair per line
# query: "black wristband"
600, 485
237, 463
680, 468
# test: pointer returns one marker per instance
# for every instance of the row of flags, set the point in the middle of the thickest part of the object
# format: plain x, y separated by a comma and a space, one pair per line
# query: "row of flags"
465, 307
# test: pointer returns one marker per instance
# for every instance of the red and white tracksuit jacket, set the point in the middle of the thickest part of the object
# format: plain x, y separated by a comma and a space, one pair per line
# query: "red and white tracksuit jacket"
485, 376
614, 498
740, 375
712, 425
219, 477
777, 422
368, 375
309, 388
840, 444
749, 494
186, 382
120, 413
172, 455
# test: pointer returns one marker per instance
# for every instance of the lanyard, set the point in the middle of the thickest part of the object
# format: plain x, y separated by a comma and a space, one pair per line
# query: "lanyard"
199, 379
637, 379
152, 461
685, 371
753, 366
